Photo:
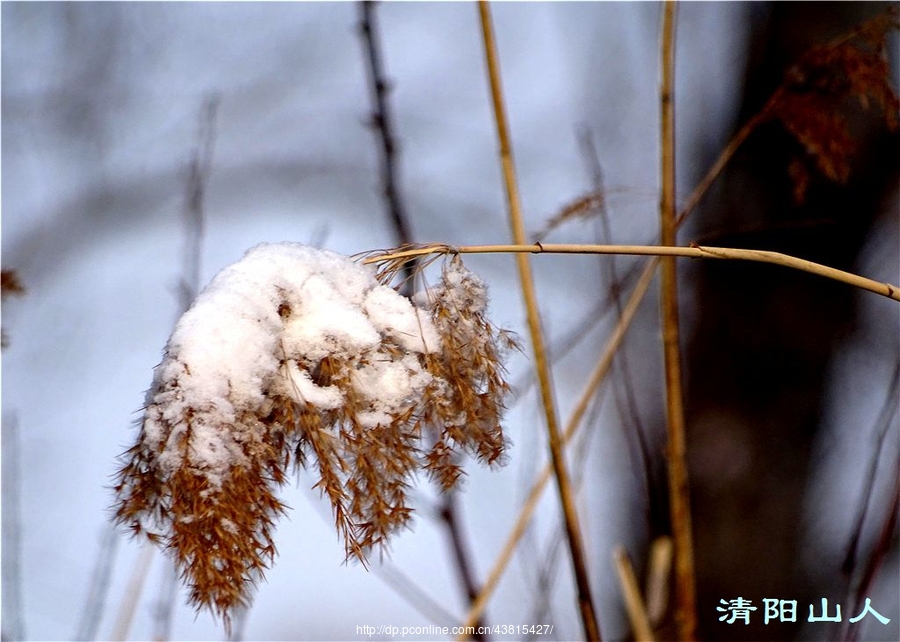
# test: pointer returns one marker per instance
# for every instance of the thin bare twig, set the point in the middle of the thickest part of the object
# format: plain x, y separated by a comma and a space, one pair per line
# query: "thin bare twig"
573, 532
382, 123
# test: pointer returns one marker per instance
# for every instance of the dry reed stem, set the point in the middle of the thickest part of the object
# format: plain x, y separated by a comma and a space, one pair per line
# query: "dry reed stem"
888, 290
631, 593
679, 490
573, 532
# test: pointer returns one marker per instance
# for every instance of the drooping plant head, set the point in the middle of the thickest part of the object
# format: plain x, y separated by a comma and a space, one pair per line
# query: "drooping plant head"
300, 357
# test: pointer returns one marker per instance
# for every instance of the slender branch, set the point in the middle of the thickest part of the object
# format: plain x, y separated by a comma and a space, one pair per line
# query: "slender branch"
694, 252
679, 492
573, 532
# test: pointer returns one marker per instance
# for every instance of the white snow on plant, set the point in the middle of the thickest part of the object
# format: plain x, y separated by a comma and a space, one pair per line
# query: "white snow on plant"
259, 329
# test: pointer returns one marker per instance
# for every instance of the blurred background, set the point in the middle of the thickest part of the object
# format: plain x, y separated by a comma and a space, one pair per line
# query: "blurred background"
147, 145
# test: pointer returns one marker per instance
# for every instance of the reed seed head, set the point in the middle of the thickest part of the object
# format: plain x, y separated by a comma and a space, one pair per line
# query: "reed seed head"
296, 357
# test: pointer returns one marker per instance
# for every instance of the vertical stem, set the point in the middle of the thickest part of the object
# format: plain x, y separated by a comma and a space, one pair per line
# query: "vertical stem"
573, 532
679, 493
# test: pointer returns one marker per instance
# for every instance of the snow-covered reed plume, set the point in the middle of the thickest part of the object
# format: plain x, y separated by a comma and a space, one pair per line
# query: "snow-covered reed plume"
298, 356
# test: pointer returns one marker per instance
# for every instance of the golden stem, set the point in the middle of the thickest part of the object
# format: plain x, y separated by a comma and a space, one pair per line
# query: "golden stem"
566, 495
694, 252
679, 491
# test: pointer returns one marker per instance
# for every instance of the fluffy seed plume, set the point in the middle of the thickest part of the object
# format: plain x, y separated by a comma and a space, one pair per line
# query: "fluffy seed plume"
297, 356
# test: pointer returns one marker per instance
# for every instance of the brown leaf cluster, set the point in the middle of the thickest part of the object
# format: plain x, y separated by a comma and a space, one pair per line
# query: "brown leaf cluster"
219, 526
817, 98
